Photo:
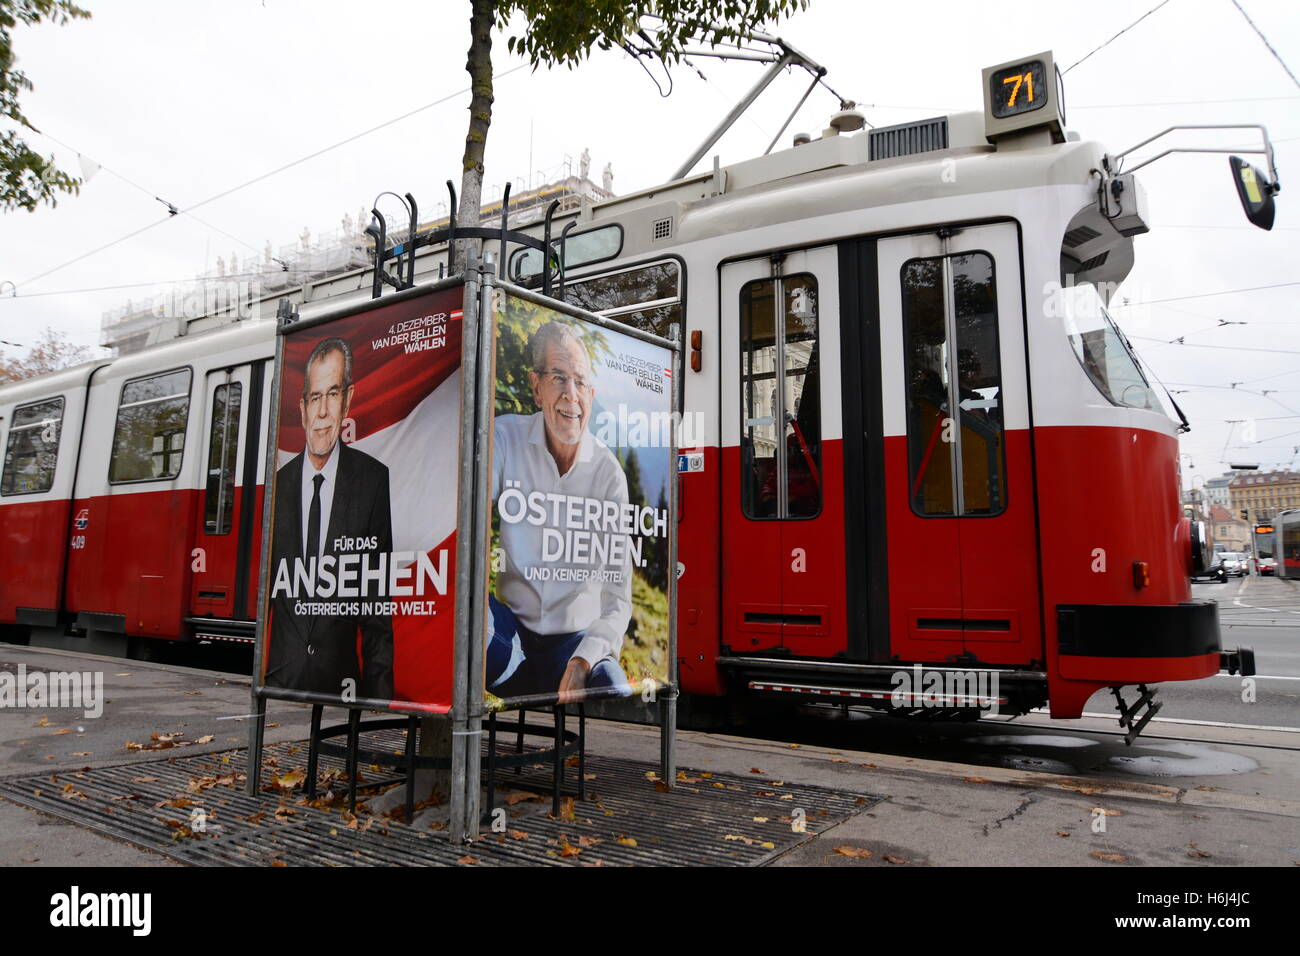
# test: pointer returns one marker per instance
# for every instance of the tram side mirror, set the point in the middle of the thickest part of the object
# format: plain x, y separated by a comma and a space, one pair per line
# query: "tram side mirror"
1255, 192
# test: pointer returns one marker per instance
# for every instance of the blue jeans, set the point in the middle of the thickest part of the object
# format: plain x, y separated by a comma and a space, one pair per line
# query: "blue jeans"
521, 663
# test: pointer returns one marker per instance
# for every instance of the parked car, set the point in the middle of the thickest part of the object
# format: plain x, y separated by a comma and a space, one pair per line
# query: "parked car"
1215, 572
1235, 563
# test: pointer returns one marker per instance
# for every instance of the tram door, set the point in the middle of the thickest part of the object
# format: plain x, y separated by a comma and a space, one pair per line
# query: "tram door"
219, 558
962, 551
782, 475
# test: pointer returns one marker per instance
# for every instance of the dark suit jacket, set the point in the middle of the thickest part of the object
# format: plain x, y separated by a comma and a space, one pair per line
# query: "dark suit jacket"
318, 653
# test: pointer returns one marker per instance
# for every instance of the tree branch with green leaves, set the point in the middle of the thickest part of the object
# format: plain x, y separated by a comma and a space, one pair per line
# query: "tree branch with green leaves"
26, 178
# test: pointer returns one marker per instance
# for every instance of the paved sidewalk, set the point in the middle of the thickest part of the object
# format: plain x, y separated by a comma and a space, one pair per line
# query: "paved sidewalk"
935, 813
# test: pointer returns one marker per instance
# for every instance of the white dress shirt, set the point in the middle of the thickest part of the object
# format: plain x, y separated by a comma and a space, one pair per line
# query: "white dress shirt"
309, 472
600, 608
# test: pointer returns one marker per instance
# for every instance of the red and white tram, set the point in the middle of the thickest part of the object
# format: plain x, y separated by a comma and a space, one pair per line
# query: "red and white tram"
913, 435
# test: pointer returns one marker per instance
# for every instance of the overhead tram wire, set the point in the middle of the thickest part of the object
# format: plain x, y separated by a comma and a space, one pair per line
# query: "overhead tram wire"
1116, 36
188, 210
126, 285
171, 207
1276, 55
1222, 348
1207, 295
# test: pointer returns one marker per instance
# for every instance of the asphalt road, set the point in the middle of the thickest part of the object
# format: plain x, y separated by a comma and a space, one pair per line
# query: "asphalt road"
1263, 614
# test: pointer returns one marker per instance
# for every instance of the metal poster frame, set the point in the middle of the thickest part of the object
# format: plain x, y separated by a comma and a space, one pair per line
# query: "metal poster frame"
666, 696
473, 530
288, 322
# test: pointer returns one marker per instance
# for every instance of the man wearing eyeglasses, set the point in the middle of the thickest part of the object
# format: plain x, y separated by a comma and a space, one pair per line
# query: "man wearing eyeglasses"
558, 623
331, 500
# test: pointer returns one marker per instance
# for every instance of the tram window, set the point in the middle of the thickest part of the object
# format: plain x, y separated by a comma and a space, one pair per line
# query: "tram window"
1102, 351
979, 385
955, 467
580, 248
149, 441
647, 297
33, 448
780, 444
223, 451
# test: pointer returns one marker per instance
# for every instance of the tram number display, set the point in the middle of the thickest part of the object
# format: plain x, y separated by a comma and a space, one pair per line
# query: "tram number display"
1018, 89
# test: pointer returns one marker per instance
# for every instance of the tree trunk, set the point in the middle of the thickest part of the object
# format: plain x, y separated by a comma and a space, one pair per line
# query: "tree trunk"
435, 741
435, 735
479, 67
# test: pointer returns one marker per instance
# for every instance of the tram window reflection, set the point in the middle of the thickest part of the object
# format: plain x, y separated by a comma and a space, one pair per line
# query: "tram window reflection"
223, 451
955, 425
149, 440
780, 445
32, 452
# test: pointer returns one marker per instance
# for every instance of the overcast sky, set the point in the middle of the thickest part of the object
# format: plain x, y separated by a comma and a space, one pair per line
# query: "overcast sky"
189, 99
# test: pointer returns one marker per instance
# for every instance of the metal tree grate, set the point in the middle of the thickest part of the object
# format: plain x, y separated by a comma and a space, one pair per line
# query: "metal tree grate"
707, 819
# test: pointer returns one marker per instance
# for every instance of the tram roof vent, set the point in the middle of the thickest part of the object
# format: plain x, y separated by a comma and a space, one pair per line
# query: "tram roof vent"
907, 139
1079, 235
1094, 262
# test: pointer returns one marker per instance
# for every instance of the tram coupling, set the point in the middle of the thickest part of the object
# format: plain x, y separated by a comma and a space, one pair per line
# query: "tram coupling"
1128, 713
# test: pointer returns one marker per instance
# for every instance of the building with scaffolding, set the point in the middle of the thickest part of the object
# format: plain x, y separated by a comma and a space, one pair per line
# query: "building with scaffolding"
236, 286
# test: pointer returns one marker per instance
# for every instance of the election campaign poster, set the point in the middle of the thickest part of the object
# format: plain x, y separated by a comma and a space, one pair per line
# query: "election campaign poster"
582, 441
359, 602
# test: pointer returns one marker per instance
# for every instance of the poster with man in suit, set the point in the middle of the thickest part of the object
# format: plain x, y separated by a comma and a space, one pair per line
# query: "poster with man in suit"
359, 600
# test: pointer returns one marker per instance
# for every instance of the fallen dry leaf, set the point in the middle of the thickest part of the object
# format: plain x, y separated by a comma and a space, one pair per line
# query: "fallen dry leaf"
206, 739
60, 733
1062, 833
627, 840
467, 860
973, 780
520, 796
894, 859
1109, 857
1086, 789
662, 787
857, 853
754, 770
290, 779
1106, 813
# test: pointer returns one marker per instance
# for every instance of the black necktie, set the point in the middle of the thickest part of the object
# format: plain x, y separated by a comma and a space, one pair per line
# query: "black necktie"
313, 520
